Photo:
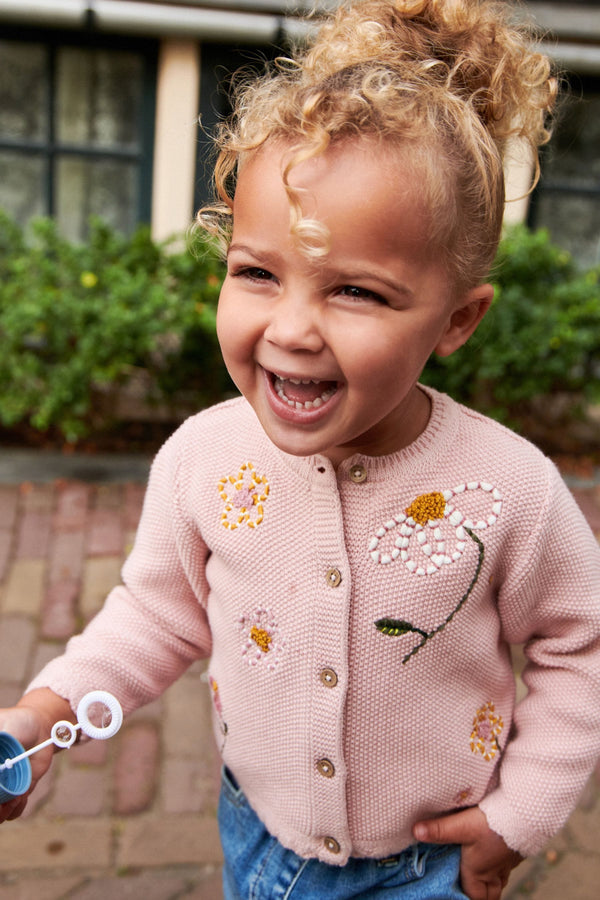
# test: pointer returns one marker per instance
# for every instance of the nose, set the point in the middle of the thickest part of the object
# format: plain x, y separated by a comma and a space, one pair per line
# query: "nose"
295, 323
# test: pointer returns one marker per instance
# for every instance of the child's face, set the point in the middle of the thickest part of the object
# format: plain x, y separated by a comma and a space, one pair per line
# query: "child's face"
328, 352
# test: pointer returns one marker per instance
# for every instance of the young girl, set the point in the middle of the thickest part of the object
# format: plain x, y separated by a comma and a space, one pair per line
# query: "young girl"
356, 553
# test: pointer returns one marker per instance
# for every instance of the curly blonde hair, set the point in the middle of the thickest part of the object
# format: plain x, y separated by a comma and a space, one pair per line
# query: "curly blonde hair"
450, 82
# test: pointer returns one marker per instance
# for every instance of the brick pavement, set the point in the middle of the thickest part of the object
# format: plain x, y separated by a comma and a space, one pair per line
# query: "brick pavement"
135, 817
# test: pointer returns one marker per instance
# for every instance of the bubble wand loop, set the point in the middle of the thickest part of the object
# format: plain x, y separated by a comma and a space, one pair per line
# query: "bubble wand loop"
63, 736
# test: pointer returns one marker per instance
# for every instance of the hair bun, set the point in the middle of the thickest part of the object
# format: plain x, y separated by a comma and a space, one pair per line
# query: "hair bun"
472, 49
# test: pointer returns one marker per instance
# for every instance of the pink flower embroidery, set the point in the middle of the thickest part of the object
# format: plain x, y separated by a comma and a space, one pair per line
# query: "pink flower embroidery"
462, 797
244, 496
487, 726
215, 695
216, 699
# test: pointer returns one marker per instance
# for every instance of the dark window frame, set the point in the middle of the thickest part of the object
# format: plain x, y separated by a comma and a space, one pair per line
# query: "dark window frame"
52, 150
219, 64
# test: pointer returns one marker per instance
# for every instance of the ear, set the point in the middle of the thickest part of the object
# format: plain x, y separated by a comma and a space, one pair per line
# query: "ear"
467, 315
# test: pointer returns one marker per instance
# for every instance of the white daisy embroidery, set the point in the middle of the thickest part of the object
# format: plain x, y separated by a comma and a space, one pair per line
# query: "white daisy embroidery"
430, 534
433, 531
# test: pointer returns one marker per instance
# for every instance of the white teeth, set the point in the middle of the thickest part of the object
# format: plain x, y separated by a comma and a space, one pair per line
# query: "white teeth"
282, 378
308, 404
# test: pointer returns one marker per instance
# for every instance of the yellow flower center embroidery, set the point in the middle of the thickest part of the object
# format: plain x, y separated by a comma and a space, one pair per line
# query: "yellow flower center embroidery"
427, 508
261, 638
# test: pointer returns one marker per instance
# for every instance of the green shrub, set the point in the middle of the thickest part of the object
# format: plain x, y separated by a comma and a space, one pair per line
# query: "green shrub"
540, 338
75, 317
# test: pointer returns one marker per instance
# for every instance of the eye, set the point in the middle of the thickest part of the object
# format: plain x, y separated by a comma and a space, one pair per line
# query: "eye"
252, 273
361, 294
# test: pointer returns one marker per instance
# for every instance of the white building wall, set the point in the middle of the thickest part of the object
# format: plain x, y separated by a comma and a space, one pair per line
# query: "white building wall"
175, 137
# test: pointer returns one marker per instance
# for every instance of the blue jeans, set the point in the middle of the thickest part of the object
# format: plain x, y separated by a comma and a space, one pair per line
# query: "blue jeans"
258, 867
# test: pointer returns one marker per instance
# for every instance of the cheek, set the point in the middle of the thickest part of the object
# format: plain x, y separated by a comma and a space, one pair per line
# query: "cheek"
222, 330
229, 323
388, 365
373, 360
238, 335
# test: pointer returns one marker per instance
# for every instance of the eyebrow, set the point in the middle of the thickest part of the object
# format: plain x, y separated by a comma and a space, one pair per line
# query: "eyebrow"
256, 254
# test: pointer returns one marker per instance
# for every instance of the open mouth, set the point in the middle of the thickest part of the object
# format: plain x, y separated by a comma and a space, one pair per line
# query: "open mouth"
303, 393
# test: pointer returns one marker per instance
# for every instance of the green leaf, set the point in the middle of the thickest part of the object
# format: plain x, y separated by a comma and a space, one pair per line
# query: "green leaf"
396, 627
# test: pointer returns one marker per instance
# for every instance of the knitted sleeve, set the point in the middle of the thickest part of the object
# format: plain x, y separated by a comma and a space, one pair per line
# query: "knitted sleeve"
153, 626
551, 604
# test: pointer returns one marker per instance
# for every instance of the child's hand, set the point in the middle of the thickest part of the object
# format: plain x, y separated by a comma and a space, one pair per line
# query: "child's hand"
486, 861
31, 723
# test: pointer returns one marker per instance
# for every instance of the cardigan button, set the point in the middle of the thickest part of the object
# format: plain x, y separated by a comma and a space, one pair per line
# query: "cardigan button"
328, 678
334, 576
326, 768
332, 845
358, 474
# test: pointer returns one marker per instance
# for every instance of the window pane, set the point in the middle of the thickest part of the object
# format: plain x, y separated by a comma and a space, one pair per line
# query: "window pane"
574, 152
567, 200
98, 97
22, 185
23, 91
573, 221
86, 187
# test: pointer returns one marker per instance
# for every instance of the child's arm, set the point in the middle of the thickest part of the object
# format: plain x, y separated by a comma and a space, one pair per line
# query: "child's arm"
31, 721
486, 861
154, 624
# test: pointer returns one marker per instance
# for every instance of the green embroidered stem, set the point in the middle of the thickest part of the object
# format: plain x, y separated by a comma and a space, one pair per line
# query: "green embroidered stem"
461, 602
397, 627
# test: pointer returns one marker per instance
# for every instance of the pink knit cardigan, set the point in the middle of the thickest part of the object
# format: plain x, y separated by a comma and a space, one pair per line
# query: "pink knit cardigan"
358, 625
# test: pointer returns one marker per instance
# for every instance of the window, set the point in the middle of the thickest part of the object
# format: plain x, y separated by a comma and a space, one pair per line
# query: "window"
76, 130
567, 199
